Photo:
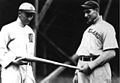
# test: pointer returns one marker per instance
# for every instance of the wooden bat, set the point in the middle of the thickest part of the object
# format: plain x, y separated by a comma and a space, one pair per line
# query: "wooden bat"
36, 59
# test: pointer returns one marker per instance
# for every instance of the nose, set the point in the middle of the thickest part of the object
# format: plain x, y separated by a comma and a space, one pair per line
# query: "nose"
30, 18
86, 14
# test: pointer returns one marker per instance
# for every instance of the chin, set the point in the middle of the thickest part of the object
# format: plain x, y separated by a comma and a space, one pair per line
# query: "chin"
26, 23
89, 21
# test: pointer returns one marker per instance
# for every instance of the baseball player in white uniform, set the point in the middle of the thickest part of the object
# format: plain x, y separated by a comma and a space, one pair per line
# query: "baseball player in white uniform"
16, 42
96, 49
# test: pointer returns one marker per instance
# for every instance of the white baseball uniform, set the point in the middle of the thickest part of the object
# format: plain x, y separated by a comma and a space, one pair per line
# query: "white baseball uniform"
98, 37
16, 40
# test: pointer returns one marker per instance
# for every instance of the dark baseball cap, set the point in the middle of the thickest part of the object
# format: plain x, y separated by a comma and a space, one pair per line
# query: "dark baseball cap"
90, 4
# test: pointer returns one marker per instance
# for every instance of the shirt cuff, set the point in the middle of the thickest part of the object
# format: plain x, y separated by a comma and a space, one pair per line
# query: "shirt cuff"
7, 59
91, 65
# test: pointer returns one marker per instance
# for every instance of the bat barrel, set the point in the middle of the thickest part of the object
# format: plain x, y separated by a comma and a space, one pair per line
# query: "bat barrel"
35, 59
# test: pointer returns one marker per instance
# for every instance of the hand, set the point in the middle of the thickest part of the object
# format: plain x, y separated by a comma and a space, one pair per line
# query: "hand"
19, 61
85, 69
75, 79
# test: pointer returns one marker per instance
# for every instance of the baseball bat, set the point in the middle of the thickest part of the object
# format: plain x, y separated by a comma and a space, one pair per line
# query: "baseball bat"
36, 59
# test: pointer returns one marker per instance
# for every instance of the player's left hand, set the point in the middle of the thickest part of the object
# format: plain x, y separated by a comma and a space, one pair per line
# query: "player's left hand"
85, 69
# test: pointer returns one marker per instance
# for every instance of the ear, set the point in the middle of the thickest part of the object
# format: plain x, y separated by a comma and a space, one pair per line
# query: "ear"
19, 12
20, 15
97, 9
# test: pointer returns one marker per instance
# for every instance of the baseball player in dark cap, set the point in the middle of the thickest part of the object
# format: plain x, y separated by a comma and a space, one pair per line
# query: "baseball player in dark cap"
96, 49
16, 42
90, 5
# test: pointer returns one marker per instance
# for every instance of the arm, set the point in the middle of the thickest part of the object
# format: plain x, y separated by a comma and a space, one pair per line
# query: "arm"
5, 56
109, 45
75, 78
104, 57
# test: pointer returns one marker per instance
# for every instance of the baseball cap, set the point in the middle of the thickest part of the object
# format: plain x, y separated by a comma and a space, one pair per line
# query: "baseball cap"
90, 4
27, 7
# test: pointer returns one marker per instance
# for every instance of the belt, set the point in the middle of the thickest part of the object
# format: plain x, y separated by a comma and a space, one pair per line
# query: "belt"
87, 58
25, 63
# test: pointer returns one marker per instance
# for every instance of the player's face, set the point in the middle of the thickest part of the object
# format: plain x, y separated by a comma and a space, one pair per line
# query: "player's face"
90, 14
26, 17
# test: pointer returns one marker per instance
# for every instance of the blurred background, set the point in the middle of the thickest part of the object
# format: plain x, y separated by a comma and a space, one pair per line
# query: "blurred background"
59, 27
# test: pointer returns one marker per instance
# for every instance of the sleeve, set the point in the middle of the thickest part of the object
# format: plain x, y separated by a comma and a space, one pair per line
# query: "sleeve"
82, 49
110, 41
5, 56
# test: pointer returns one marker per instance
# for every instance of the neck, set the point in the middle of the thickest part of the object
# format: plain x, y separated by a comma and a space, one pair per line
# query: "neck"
20, 22
96, 19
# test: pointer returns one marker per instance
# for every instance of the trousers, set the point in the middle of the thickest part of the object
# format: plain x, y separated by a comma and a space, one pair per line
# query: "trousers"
101, 74
17, 74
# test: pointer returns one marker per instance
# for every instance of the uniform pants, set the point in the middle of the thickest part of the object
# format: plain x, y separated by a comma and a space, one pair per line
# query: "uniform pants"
17, 74
101, 74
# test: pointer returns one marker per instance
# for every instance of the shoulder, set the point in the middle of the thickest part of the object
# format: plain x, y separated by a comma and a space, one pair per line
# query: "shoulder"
104, 24
7, 27
29, 29
107, 25
108, 29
